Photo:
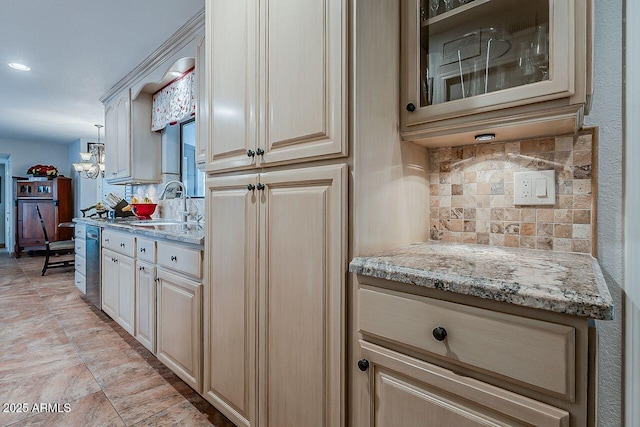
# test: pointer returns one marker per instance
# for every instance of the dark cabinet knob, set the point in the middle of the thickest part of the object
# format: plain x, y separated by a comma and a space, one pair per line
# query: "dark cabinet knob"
251, 153
440, 333
411, 108
122, 245
251, 187
260, 152
261, 186
174, 258
141, 268
363, 364
143, 250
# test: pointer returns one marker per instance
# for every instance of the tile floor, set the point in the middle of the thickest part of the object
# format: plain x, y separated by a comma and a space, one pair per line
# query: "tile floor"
55, 347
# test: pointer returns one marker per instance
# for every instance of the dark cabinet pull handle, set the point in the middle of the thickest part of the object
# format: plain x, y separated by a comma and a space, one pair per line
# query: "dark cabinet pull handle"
141, 268
106, 240
143, 250
251, 153
363, 364
251, 187
260, 152
261, 186
122, 245
411, 108
440, 333
174, 258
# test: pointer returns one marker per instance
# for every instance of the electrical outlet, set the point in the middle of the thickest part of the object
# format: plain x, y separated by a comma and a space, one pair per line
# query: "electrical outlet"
534, 188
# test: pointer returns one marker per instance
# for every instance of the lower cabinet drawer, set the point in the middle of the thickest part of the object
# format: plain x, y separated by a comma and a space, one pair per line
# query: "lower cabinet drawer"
79, 230
81, 282
80, 265
404, 391
180, 258
81, 247
122, 243
146, 250
538, 353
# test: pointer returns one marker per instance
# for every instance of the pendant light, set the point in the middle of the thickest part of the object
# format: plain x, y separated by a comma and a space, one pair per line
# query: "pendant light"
92, 164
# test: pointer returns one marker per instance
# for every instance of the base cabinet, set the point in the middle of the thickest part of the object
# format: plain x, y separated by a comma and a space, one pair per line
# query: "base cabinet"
408, 392
179, 304
146, 305
118, 289
274, 318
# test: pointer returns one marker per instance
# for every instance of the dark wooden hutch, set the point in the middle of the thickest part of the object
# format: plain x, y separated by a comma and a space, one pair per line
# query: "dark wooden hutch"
55, 201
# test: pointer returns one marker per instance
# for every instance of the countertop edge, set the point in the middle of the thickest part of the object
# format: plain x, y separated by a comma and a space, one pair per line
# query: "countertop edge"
122, 226
599, 307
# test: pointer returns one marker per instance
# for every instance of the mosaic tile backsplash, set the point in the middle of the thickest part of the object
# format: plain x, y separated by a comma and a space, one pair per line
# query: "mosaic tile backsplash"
471, 194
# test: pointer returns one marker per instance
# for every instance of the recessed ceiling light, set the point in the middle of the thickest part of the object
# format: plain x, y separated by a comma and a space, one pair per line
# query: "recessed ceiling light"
18, 66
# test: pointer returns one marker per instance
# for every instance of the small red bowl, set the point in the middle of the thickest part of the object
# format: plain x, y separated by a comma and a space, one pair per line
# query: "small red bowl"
143, 210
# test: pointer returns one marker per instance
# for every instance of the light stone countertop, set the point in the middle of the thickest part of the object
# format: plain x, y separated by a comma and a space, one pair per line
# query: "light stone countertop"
568, 283
184, 233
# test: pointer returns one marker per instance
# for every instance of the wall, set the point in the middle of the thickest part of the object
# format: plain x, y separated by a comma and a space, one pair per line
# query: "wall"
28, 153
86, 192
472, 191
3, 198
607, 114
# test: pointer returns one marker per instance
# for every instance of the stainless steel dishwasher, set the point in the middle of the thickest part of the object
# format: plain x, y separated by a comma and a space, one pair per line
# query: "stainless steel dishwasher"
94, 288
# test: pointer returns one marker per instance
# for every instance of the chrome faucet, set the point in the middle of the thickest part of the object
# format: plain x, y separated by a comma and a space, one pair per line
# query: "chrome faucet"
168, 194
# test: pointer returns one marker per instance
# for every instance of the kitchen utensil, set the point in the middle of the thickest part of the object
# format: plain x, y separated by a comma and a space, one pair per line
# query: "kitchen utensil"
144, 210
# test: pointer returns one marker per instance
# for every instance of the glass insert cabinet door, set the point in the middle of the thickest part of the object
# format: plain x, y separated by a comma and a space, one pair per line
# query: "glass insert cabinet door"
465, 56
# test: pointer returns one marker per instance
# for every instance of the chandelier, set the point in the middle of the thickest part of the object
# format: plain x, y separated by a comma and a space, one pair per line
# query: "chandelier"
92, 164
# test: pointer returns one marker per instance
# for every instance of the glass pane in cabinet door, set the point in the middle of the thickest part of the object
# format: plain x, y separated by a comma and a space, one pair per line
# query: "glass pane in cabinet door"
472, 47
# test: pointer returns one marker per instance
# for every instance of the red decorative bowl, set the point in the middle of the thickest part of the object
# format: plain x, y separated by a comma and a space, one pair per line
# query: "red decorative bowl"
143, 210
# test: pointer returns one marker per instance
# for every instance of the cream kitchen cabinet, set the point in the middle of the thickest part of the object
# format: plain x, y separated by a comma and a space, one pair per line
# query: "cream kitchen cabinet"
145, 306
274, 330
179, 339
118, 288
429, 361
501, 68
202, 109
132, 150
80, 258
278, 82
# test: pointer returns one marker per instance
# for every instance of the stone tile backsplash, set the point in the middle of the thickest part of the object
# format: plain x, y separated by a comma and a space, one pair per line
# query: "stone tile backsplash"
167, 209
471, 194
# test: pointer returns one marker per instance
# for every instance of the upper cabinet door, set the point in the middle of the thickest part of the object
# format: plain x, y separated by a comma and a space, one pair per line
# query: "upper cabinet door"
277, 84
202, 109
111, 144
231, 43
123, 134
485, 66
303, 79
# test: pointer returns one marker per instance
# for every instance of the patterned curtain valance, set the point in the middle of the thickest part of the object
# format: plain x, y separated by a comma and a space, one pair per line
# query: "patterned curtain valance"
174, 102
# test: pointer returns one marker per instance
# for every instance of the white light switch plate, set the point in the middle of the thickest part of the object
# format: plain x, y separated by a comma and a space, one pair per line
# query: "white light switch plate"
534, 188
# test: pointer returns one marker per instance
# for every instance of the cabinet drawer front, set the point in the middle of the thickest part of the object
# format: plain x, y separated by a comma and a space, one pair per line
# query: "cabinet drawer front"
535, 352
118, 242
81, 282
179, 258
80, 230
146, 250
407, 391
81, 247
81, 265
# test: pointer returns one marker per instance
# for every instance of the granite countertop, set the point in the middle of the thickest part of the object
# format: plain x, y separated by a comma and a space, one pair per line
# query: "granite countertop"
192, 233
568, 283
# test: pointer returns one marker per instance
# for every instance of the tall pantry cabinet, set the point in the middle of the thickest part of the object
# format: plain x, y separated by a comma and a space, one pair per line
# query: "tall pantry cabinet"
274, 324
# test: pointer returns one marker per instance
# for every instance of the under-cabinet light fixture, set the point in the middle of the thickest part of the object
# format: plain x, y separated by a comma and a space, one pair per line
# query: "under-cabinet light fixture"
485, 136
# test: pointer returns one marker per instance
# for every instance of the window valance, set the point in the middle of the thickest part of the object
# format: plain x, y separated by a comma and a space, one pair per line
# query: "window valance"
174, 102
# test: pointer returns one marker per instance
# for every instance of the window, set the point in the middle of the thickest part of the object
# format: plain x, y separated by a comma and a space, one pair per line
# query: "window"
192, 178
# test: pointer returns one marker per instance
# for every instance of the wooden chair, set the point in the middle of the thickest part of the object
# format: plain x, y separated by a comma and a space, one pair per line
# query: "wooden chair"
65, 246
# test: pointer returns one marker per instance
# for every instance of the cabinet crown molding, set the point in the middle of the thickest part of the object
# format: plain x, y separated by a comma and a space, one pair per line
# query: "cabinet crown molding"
173, 44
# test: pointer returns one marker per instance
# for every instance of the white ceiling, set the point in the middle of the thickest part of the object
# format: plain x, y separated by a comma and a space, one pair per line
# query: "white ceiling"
77, 50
